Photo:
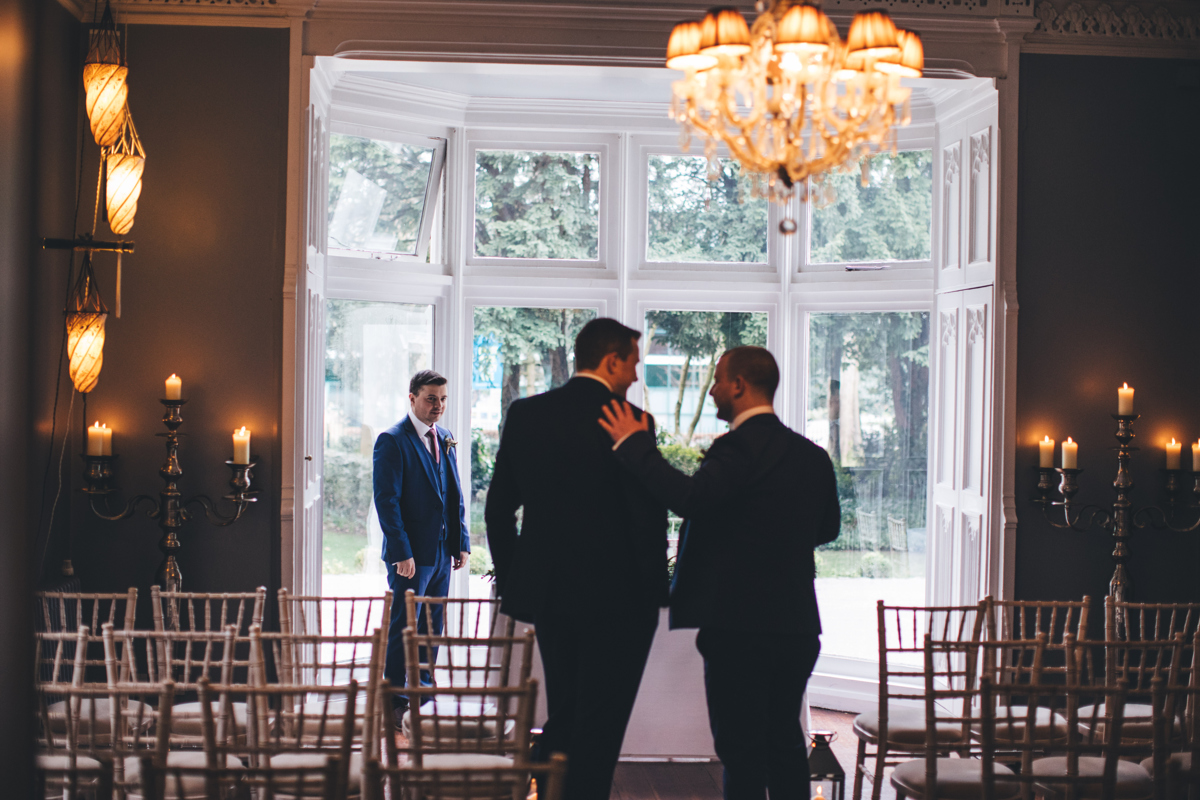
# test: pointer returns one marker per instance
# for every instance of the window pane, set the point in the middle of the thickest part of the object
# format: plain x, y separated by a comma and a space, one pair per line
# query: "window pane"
885, 221
516, 352
681, 352
376, 193
694, 219
371, 351
868, 406
537, 205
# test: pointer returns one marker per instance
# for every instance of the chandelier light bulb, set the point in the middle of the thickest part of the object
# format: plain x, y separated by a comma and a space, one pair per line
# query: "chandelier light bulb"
683, 48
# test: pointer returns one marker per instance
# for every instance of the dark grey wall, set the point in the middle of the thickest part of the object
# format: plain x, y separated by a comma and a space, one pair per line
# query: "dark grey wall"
1108, 272
202, 298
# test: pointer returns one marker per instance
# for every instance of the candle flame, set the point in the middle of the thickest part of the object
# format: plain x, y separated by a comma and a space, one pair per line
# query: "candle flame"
104, 427
173, 377
242, 431
97, 425
1047, 439
1069, 441
1125, 386
1173, 442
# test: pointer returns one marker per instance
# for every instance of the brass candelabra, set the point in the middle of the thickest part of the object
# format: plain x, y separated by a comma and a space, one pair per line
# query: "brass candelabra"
169, 508
1121, 518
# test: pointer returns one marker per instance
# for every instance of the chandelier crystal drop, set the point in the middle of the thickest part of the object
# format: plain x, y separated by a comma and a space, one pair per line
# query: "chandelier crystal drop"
787, 97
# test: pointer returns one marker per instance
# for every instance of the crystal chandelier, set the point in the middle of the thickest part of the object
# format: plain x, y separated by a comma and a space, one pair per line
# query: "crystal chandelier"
787, 97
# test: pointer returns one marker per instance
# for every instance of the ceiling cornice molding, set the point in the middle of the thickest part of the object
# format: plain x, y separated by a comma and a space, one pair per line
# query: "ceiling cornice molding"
1077, 26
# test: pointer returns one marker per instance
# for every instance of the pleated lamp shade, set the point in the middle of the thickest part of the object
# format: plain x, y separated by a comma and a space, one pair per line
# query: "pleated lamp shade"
85, 330
104, 79
123, 185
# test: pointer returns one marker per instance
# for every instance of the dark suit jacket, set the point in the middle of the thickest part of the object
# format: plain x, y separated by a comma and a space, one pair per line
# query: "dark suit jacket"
407, 500
763, 498
589, 533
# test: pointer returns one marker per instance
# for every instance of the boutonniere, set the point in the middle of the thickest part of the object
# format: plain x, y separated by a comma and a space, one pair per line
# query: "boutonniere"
449, 442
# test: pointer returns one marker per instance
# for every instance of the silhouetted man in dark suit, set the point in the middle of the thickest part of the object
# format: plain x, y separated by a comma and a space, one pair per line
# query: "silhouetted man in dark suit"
763, 498
589, 568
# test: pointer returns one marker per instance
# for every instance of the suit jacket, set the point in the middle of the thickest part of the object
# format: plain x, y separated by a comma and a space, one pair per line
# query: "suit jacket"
410, 507
589, 533
763, 498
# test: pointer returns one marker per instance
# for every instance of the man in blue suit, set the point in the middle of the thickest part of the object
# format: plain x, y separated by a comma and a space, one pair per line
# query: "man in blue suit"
422, 511
763, 499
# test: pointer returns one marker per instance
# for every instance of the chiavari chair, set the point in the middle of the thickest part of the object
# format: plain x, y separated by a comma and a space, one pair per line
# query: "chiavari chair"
466, 783
333, 616
897, 727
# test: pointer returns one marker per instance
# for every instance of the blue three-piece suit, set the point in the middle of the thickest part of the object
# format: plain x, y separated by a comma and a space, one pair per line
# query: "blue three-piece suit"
422, 511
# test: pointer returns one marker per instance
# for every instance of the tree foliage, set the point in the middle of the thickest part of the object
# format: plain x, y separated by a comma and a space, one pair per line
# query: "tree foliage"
698, 216
402, 170
701, 337
537, 205
887, 220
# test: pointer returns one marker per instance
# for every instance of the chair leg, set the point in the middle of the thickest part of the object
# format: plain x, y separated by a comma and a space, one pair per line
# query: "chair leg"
880, 762
860, 763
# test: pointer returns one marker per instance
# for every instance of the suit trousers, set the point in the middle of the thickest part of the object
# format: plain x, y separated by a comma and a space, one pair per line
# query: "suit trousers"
431, 581
593, 661
754, 709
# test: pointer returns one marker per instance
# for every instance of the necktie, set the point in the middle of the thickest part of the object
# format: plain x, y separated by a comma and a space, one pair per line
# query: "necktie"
433, 448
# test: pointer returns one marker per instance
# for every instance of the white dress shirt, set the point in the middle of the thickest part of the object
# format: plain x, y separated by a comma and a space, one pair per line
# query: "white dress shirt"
748, 413
594, 377
422, 429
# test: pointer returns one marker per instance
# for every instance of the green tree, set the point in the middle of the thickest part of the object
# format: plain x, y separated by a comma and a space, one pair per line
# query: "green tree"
537, 205
887, 220
698, 215
701, 336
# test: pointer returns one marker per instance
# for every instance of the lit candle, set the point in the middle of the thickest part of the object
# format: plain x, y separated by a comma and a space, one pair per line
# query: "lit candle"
174, 387
1070, 454
241, 446
1196, 457
1173, 448
1125, 401
1046, 453
95, 440
107, 432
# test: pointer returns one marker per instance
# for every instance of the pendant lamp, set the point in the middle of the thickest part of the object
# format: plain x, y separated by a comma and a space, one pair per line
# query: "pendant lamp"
85, 329
104, 77
124, 162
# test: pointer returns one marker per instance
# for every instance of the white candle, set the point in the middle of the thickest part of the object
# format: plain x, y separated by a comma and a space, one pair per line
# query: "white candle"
95, 440
1125, 401
174, 387
1046, 453
241, 446
107, 433
1070, 454
1173, 448
1196, 457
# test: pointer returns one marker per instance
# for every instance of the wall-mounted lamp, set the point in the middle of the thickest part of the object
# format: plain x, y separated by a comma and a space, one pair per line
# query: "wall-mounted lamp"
85, 329
125, 161
104, 76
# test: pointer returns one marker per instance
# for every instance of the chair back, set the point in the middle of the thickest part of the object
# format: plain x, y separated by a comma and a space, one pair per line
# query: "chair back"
65, 612
321, 781
451, 661
60, 657
207, 611
467, 783
1025, 619
478, 720
1149, 621
333, 616
462, 617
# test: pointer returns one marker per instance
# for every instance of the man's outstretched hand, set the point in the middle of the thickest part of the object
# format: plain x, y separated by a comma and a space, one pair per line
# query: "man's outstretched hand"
619, 421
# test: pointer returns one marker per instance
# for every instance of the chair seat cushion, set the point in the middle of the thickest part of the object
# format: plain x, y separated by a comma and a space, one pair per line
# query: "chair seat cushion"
58, 762
314, 711
54, 765
186, 718
1133, 782
102, 716
1138, 722
957, 779
457, 728
906, 728
316, 761
192, 785
1011, 722
465, 761
1184, 760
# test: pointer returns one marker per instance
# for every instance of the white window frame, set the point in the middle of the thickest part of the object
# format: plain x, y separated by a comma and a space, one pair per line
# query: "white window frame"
433, 187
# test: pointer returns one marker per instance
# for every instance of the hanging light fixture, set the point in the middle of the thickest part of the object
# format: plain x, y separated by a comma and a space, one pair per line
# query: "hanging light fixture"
125, 161
85, 329
787, 97
104, 76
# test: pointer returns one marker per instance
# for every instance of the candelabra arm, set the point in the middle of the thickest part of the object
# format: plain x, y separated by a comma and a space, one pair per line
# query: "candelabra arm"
1145, 518
211, 513
1087, 517
104, 512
